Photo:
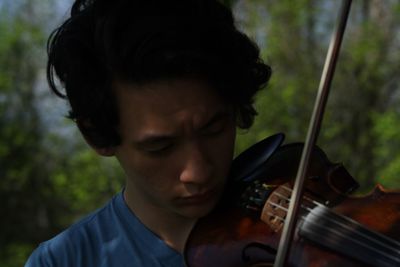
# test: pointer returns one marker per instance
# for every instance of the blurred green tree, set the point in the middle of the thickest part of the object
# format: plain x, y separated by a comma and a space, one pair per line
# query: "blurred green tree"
360, 124
47, 180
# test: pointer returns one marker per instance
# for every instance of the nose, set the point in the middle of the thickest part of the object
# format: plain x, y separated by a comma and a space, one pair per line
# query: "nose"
197, 167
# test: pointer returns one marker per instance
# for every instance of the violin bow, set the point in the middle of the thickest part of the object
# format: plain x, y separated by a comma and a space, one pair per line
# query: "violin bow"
312, 134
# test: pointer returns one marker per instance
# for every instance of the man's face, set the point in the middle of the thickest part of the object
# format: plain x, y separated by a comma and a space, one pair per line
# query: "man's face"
177, 146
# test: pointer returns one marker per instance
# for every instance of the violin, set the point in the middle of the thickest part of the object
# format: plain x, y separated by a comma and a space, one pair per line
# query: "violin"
268, 210
334, 228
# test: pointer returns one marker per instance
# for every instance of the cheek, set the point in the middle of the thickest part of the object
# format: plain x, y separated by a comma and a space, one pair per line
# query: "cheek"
223, 148
151, 174
228, 140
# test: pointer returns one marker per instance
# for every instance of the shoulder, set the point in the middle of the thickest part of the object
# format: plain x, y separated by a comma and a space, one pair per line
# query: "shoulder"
110, 236
78, 245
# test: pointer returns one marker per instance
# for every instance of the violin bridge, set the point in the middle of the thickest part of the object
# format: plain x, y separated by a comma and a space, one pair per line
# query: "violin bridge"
275, 209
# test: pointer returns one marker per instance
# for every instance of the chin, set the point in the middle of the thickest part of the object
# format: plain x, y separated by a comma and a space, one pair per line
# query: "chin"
197, 211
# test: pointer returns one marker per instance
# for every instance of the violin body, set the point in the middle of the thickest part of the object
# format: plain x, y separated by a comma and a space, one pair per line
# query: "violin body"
335, 229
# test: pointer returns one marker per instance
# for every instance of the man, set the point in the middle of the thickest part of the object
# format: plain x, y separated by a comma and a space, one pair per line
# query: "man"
162, 86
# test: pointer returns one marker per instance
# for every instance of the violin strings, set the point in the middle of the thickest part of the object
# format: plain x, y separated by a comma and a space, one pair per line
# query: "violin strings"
348, 220
394, 258
287, 199
357, 232
340, 234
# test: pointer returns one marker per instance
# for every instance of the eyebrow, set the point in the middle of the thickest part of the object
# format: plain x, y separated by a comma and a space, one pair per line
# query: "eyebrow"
222, 114
152, 138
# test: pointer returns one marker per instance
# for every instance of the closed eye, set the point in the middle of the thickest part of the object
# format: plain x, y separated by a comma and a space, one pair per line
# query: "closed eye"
217, 124
156, 148
215, 128
155, 145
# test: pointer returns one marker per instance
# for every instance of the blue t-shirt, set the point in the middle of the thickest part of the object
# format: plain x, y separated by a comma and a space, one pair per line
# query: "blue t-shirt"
111, 236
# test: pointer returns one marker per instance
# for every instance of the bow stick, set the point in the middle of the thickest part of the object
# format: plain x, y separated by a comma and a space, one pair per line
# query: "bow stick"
312, 134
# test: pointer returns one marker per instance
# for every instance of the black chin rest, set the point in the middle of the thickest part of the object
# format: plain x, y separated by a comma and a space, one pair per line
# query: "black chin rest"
249, 164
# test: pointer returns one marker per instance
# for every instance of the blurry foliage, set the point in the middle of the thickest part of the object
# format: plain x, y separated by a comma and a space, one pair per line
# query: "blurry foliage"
46, 181
49, 178
360, 126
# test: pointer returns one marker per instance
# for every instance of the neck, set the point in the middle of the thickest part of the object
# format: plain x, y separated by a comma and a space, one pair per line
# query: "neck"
175, 233
170, 227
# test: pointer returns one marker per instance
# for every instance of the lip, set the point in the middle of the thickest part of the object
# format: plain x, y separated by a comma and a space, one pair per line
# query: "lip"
199, 198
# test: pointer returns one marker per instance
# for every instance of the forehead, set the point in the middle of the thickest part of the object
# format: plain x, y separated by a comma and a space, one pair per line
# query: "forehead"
166, 105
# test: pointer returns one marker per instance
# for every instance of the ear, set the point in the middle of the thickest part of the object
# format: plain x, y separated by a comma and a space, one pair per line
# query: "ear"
103, 151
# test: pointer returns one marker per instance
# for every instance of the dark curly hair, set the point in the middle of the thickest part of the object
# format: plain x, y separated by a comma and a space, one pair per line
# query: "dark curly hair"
140, 41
